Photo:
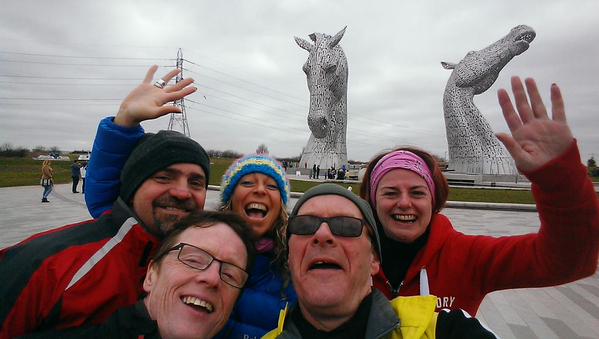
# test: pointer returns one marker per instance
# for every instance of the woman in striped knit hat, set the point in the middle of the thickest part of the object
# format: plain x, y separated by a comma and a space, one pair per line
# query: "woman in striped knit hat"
255, 187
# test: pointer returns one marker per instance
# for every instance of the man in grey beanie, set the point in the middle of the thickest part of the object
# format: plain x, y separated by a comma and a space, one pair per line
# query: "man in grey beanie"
334, 250
83, 273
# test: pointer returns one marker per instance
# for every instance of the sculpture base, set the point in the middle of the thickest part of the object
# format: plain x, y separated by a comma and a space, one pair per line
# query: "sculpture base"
498, 165
324, 153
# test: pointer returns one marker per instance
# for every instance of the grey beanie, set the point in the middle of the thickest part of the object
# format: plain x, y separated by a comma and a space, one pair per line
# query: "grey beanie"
156, 152
334, 189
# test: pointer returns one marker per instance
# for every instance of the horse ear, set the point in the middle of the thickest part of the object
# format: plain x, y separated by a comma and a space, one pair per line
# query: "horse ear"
313, 37
448, 65
303, 43
335, 40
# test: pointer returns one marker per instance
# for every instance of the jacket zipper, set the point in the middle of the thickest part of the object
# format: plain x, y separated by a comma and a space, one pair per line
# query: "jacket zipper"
394, 292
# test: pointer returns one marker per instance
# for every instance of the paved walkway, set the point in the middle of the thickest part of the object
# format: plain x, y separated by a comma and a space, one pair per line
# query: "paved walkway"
567, 311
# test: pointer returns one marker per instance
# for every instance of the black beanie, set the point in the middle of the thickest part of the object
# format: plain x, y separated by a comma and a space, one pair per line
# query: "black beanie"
156, 152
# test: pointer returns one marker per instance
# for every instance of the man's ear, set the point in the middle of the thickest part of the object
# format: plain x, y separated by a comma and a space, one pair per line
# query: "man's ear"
151, 276
375, 263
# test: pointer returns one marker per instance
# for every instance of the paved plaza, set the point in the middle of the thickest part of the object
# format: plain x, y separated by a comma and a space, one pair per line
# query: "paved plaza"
567, 311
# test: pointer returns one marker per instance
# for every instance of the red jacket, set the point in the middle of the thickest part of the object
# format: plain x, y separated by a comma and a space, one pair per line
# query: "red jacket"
74, 275
462, 269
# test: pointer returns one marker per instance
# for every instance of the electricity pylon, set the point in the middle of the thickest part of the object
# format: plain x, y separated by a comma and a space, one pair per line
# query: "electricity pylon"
178, 121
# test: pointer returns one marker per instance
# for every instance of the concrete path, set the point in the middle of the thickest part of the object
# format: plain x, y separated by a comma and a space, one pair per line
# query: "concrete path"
567, 311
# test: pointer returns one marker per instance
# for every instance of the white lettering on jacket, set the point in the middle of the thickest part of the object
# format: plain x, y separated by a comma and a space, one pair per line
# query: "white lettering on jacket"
445, 302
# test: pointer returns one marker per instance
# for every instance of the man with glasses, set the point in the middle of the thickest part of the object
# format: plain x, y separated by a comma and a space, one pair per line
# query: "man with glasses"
191, 283
334, 249
82, 273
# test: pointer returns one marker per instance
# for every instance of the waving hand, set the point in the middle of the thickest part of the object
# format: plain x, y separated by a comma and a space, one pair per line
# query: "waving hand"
535, 138
148, 101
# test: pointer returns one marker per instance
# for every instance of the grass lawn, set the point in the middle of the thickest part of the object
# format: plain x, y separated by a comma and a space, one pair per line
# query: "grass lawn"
25, 171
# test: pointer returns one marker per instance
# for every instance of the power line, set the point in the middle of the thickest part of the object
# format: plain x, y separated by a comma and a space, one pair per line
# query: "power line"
244, 88
132, 58
246, 81
136, 80
63, 78
54, 104
61, 99
85, 57
246, 99
65, 84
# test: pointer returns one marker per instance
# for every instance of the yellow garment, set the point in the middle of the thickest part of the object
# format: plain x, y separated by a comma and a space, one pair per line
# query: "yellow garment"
417, 318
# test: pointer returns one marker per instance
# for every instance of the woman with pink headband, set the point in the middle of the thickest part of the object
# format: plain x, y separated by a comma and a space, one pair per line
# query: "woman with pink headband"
422, 252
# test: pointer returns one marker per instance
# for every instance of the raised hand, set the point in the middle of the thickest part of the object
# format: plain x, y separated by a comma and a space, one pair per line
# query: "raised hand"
147, 101
536, 139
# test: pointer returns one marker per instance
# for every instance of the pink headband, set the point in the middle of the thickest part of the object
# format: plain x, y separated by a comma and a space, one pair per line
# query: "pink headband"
404, 160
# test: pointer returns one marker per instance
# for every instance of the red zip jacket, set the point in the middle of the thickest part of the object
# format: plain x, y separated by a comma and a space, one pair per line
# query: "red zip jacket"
461, 269
74, 275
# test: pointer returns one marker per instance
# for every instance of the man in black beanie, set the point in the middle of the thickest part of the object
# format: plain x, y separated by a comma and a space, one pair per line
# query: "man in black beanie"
164, 179
82, 273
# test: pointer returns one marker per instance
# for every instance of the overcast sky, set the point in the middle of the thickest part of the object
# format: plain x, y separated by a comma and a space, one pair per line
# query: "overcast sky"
66, 64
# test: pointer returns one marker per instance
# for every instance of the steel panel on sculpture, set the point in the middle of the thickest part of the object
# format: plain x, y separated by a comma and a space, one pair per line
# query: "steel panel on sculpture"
326, 73
473, 147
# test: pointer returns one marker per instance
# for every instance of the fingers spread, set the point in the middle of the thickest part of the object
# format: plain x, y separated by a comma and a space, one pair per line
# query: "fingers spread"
166, 109
170, 75
557, 104
180, 94
510, 116
150, 74
538, 108
521, 101
180, 85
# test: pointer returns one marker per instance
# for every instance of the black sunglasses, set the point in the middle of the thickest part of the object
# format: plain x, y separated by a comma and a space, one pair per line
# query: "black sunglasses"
339, 226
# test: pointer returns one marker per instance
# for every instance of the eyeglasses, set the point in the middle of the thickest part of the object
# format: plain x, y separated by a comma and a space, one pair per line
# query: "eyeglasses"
199, 259
340, 226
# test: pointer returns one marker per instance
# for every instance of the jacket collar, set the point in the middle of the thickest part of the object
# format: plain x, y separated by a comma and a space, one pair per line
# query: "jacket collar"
381, 320
121, 212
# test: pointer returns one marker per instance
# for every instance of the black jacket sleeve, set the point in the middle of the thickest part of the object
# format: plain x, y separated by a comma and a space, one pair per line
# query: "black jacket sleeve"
458, 324
127, 323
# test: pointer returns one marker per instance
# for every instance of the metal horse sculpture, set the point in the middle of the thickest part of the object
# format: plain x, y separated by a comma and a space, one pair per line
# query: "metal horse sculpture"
473, 147
326, 72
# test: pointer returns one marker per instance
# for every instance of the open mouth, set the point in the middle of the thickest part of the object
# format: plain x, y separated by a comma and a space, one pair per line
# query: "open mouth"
527, 37
405, 218
256, 210
324, 265
198, 304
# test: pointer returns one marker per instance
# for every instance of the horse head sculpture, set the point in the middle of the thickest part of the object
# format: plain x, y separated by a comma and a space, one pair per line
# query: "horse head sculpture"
326, 73
480, 69
473, 147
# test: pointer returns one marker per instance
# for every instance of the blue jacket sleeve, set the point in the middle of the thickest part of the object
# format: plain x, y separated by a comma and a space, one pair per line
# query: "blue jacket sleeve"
257, 309
112, 147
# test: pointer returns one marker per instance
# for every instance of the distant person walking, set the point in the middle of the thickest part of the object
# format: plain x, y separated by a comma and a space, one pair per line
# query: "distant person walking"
318, 172
83, 171
313, 173
75, 174
47, 180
